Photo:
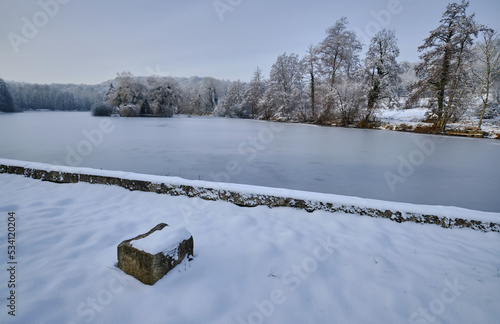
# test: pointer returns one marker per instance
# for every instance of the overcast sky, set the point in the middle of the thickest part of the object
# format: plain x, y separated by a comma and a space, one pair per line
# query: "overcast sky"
77, 41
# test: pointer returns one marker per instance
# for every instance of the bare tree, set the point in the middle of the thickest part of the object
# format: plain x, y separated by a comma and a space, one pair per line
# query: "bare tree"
339, 50
349, 99
486, 67
338, 57
310, 66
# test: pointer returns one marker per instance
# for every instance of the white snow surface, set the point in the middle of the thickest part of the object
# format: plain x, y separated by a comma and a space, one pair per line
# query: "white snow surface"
251, 265
164, 240
403, 115
415, 116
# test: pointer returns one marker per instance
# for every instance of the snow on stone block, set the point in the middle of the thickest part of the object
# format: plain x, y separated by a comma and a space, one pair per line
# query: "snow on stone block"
150, 256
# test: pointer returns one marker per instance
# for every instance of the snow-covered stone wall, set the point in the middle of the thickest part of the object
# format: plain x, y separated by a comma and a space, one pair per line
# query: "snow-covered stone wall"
251, 196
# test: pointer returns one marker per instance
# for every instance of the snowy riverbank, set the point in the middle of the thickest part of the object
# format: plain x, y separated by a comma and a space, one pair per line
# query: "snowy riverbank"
251, 265
393, 119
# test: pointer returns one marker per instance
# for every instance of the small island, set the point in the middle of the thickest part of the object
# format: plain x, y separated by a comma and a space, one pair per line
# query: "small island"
133, 98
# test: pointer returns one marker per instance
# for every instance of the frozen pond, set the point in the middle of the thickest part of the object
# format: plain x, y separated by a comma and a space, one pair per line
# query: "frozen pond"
384, 165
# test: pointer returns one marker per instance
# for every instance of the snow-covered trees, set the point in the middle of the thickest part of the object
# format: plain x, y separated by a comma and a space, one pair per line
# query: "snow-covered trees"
310, 68
444, 76
326, 86
281, 97
233, 104
162, 96
338, 68
156, 96
407, 76
285, 86
382, 71
128, 95
486, 67
200, 96
254, 93
330, 85
349, 100
6, 103
211, 95
338, 52
65, 97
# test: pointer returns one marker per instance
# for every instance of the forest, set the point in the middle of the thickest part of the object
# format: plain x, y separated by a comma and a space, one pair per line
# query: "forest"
332, 83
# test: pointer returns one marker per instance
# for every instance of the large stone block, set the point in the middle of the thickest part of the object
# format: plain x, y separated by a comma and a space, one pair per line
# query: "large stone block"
150, 256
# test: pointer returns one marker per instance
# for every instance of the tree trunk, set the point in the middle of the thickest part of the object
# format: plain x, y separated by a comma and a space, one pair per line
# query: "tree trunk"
488, 84
485, 104
313, 97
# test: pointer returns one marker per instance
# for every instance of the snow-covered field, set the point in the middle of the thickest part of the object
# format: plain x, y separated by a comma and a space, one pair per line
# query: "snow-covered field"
251, 265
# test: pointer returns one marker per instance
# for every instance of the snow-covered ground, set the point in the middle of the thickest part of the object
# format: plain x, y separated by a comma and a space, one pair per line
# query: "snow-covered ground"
251, 265
416, 116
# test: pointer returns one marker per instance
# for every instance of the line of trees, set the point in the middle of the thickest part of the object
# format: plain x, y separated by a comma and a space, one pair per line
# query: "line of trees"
165, 95
56, 97
6, 102
331, 84
161, 96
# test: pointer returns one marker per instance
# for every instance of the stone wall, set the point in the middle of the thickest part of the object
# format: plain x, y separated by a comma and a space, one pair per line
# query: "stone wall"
246, 199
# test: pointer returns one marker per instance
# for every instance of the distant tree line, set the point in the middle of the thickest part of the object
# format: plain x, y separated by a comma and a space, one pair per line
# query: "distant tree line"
165, 95
56, 97
6, 102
